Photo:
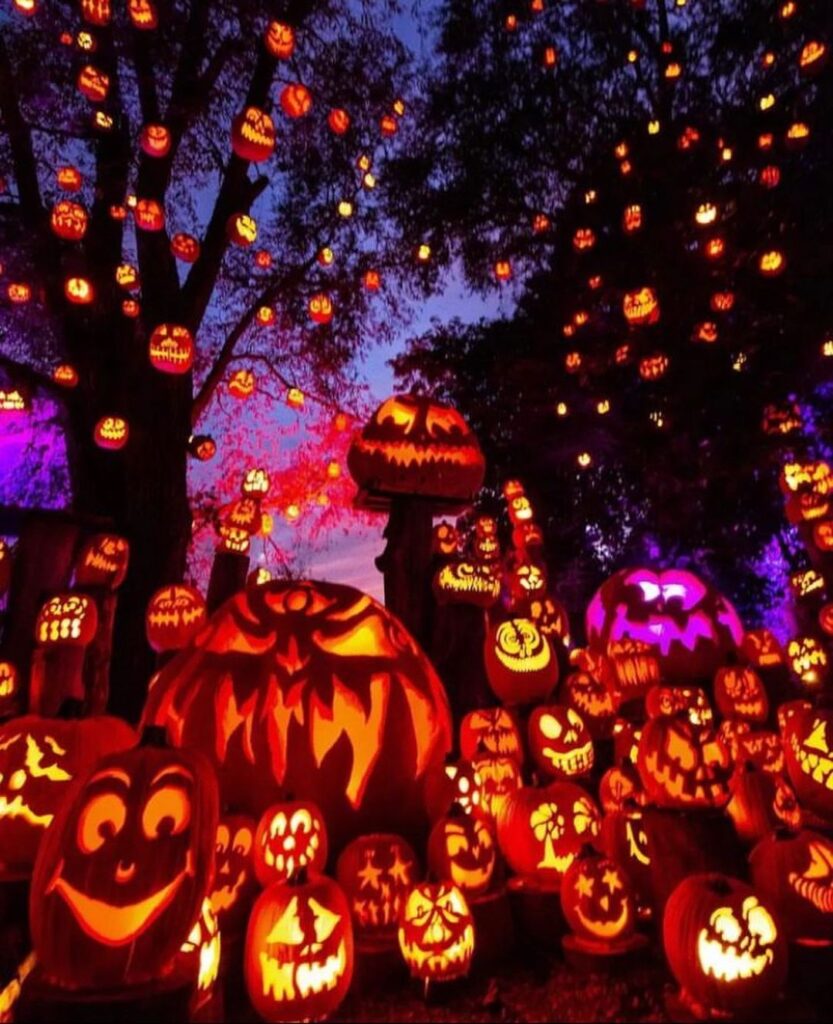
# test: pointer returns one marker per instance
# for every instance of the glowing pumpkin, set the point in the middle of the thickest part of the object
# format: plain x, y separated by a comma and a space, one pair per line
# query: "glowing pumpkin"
598, 900
376, 873
290, 837
461, 849
279, 40
234, 886
740, 693
436, 933
490, 731
171, 348
641, 307
174, 616
69, 220
102, 561
808, 756
253, 135
155, 140
560, 742
296, 100
185, 247
520, 662
793, 872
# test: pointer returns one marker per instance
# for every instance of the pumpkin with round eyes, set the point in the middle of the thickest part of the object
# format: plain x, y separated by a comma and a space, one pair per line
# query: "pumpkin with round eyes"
490, 731
376, 873
597, 899
520, 510
560, 742
723, 946
298, 959
122, 873
253, 135
102, 561
740, 693
691, 701
412, 445
499, 776
464, 582
234, 885
808, 755
540, 831
461, 849
312, 689
689, 626
436, 933
149, 215
793, 872
445, 539
593, 701
450, 783
290, 837
521, 665
683, 765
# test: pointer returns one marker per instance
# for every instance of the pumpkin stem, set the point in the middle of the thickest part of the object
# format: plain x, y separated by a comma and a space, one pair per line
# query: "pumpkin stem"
299, 877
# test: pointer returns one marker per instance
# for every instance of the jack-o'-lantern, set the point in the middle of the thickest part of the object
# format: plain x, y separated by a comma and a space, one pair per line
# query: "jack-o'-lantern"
541, 831
279, 40
127, 277
65, 375
807, 659
5, 566
771, 263
808, 756
584, 239
339, 121
9, 687
66, 619
520, 663
629, 670
528, 538
256, 482
241, 229
550, 616
689, 625
780, 419
520, 509
121, 875
560, 742
763, 748
171, 348
632, 218
19, 293
96, 12
787, 711
705, 331
450, 783
242, 384
39, 758
436, 932
626, 737
175, 615
673, 700
199, 955
69, 178
740, 693
320, 308
79, 290
598, 901
624, 839
620, 787
412, 445
202, 447
641, 307
93, 83
295, 100
102, 561
290, 837
752, 804
313, 689
526, 582
793, 872
823, 535
683, 765
298, 959
234, 885
461, 849
490, 731
69, 220
761, 648
485, 544
464, 582
813, 57
499, 776
155, 140
723, 945
185, 247
445, 539
372, 280
149, 215
253, 135
654, 366
376, 873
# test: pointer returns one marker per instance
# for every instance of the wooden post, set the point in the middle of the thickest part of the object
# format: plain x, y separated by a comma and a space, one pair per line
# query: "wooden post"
406, 564
228, 576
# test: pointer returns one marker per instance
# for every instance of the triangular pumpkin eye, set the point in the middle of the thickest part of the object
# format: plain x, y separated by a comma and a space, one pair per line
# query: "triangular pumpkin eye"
287, 929
817, 738
821, 862
325, 920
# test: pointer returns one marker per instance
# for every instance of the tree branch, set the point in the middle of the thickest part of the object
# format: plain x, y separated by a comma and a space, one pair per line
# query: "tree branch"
20, 142
34, 378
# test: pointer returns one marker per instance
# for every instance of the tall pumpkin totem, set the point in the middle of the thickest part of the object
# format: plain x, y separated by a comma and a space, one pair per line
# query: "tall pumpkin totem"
312, 690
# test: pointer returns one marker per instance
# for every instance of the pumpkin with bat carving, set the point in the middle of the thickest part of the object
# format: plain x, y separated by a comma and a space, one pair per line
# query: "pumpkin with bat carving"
39, 759
312, 689
121, 875
690, 626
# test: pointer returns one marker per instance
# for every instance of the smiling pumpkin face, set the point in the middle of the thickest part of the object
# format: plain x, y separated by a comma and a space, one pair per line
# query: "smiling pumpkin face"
597, 899
121, 876
234, 883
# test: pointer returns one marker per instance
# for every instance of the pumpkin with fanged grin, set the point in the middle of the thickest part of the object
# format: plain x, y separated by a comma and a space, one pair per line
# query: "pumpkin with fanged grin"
683, 765
465, 582
793, 871
312, 689
808, 755
412, 445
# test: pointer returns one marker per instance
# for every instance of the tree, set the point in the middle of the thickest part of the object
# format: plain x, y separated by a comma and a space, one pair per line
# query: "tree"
140, 102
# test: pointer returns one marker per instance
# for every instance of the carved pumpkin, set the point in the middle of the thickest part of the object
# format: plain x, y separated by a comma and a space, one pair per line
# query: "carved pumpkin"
9, 688
79, 290
499, 776
339, 121
298, 960
620, 787
445, 539
376, 873
102, 561
111, 433
199, 955
171, 348
490, 731
526, 582
290, 837
760, 746
740, 693
560, 742
641, 307
464, 582
521, 665
624, 839
296, 100
234, 885
540, 831
93, 83
761, 648
436, 933
752, 806
69, 620
808, 755
629, 670
279, 39
69, 220
450, 783
674, 700
683, 765
155, 140
461, 849
142, 14
122, 873
807, 659
241, 229
185, 247
593, 701
411, 445
175, 615
313, 689
723, 945
793, 872
149, 215
689, 625
597, 899
65, 375
253, 135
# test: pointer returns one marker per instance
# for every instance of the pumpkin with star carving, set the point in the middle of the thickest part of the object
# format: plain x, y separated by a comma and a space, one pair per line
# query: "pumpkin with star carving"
597, 899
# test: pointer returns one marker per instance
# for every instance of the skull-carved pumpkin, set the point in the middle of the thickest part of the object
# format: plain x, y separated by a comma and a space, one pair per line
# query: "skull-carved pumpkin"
175, 615
312, 689
102, 561
560, 742
793, 872
683, 765
597, 899
461, 849
121, 875
234, 885
290, 837
521, 665
490, 731
436, 932
376, 873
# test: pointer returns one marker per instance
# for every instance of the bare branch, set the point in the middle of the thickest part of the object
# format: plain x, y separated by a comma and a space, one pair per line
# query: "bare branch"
34, 378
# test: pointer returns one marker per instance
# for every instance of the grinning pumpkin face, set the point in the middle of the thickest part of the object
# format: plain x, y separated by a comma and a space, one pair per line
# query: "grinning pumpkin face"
256, 482
641, 307
823, 535
93, 83
559, 741
445, 539
234, 885
68, 620
298, 959
597, 899
527, 582
689, 626
242, 384
9, 688
455, 782
149, 215
111, 433
279, 40
69, 220
740, 693
436, 934
808, 755
761, 648
414, 446
683, 765
314, 689
376, 872
253, 135
490, 731
499, 776
290, 837
102, 561
464, 582
296, 100
807, 660
171, 348
174, 616
122, 876
520, 663
461, 849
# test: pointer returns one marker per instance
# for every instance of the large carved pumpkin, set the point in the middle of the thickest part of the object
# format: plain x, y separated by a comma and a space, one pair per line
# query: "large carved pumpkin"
690, 625
808, 756
121, 875
793, 872
39, 758
412, 445
312, 689
683, 765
